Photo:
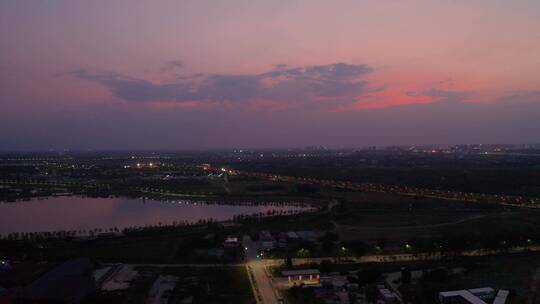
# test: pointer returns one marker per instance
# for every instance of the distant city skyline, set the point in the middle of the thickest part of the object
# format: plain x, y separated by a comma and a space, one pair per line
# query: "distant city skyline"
241, 74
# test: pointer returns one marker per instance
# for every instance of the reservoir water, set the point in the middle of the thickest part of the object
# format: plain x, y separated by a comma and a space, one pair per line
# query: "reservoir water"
82, 213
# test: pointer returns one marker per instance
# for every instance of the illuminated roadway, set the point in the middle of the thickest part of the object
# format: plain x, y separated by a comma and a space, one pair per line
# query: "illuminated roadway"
263, 288
507, 200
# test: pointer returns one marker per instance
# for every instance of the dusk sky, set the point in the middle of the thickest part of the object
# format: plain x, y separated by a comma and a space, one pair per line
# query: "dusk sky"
267, 74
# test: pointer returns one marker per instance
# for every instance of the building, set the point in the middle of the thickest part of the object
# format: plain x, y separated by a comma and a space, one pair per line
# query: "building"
268, 245
267, 240
388, 297
67, 283
228, 225
308, 235
291, 235
265, 235
231, 242
501, 297
486, 295
302, 276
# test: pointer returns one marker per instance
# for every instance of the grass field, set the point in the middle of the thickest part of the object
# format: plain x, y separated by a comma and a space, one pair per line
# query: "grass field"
368, 216
135, 250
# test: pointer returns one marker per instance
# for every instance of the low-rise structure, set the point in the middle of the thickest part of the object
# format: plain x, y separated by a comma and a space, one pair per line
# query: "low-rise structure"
291, 235
120, 278
231, 242
485, 295
387, 296
268, 245
268, 242
308, 235
163, 285
304, 276
501, 297
70, 282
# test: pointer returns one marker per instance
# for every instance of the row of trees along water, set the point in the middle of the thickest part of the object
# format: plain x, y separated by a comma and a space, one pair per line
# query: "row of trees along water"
158, 227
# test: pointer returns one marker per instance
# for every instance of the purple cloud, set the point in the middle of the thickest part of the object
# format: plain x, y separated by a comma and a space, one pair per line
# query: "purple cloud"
335, 83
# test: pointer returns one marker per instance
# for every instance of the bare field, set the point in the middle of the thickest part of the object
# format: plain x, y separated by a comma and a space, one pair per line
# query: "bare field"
369, 216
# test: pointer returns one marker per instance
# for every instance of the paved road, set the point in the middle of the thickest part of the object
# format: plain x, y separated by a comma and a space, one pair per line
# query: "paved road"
404, 257
506, 200
262, 285
339, 227
177, 265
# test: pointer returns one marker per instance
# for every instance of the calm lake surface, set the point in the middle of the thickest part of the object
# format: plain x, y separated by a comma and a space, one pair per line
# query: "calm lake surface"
76, 213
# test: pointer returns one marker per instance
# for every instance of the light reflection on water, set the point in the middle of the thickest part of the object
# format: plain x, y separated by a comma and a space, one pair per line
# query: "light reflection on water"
76, 213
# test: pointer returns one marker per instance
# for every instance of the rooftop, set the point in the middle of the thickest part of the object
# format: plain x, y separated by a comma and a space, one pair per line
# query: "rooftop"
477, 295
299, 272
71, 280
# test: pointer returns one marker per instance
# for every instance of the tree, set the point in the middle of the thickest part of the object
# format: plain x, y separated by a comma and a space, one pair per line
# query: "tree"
326, 266
381, 243
288, 262
303, 253
329, 243
358, 247
405, 275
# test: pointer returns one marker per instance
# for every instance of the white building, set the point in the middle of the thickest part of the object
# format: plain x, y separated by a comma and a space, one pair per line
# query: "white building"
483, 295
